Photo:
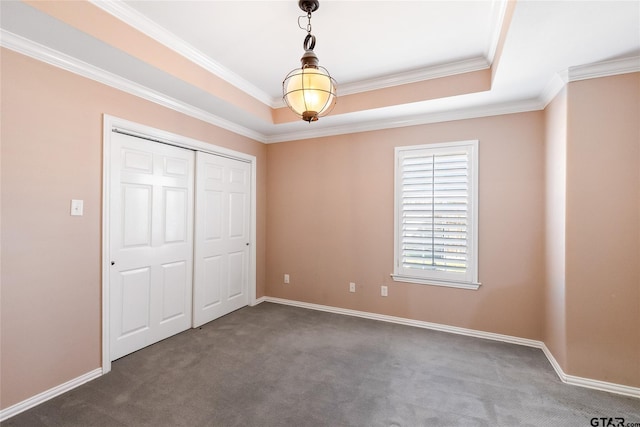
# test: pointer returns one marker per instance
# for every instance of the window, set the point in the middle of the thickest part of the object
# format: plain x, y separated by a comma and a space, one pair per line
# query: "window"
436, 214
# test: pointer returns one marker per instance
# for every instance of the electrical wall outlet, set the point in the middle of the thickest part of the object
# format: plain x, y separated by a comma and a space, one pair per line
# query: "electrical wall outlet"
384, 291
286, 278
352, 287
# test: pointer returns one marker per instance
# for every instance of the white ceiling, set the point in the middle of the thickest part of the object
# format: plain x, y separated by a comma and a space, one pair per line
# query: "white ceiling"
355, 40
364, 44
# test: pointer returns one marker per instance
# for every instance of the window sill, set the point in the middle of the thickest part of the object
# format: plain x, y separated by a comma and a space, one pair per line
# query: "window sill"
460, 285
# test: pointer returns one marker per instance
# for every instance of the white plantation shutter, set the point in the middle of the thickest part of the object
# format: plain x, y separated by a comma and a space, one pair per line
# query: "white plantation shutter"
436, 213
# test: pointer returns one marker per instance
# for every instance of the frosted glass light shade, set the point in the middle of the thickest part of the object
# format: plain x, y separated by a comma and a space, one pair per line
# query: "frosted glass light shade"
310, 92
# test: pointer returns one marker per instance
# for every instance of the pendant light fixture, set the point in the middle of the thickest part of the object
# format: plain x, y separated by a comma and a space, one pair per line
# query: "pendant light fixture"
309, 91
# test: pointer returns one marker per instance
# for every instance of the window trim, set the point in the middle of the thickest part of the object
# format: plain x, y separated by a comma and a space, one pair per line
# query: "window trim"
474, 284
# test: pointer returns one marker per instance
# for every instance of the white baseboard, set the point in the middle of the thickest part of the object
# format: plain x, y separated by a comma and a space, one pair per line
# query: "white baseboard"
258, 301
565, 378
410, 322
624, 390
48, 394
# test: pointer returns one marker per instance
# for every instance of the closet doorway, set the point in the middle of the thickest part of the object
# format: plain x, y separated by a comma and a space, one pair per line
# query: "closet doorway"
178, 235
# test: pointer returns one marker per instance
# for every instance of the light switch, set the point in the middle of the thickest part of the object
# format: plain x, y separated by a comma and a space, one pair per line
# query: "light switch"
76, 207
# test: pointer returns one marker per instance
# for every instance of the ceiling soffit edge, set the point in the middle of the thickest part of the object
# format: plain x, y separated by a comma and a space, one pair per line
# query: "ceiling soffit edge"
136, 20
61, 60
408, 77
604, 69
421, 119
588, 71
553, 87
53, 57
498, 12
428, 73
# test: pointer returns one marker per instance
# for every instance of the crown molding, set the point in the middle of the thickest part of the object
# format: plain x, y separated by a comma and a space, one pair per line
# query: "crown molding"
498, 11
61, 60
135, 19
422, 119
604, 69
414, 76
58, 59
428, 73
557, 82
589, 71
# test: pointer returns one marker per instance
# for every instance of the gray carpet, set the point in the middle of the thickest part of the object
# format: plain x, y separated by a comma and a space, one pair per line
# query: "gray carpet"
274, 365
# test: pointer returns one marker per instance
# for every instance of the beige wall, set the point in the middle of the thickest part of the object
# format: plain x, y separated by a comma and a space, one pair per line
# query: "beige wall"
51, 153
559, 226
555, 220
330, 221
603, 229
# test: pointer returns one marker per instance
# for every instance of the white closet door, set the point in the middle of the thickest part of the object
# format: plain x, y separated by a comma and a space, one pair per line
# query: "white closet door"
151, 241
221, 281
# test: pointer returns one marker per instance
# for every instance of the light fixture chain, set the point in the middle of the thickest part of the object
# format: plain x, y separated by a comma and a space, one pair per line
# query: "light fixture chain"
309, 42
309, 22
